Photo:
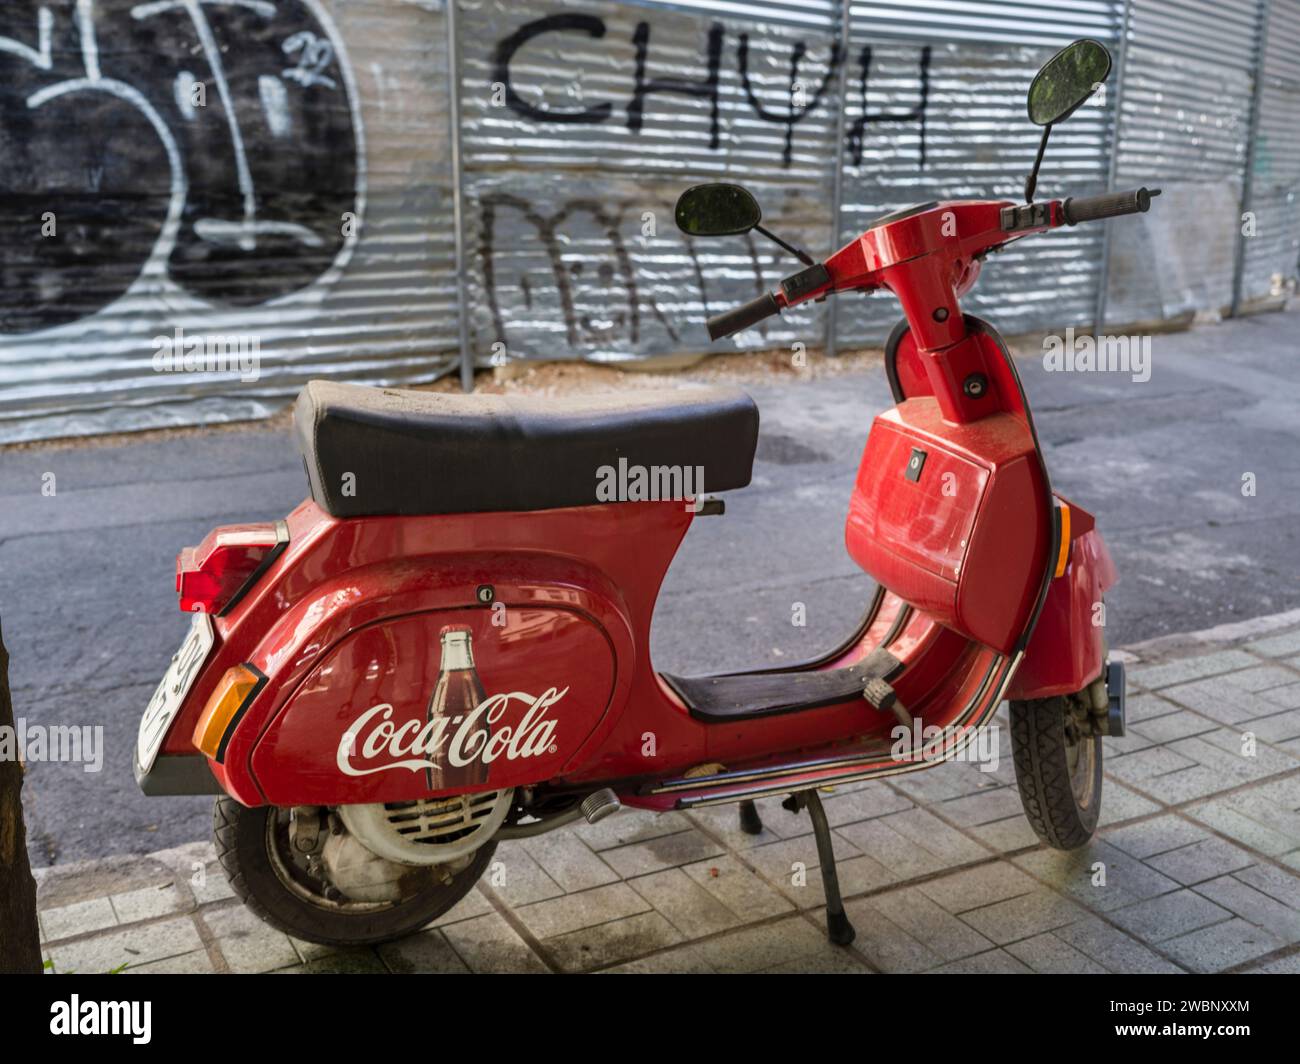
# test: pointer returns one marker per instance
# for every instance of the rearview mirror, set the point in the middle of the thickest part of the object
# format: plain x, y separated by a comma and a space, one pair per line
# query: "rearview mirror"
717, 210
1067, 80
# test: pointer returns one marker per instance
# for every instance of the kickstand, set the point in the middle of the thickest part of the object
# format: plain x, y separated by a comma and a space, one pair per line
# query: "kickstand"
838, 928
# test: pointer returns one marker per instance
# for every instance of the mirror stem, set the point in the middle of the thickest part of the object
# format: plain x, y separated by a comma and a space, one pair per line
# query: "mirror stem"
800, 255
1031, 182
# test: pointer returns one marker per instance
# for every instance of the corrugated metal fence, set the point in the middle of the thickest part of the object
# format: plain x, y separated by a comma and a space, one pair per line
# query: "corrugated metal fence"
207, 204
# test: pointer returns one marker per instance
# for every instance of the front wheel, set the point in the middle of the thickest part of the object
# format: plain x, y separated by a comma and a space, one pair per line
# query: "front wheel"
1058, 760
295, 893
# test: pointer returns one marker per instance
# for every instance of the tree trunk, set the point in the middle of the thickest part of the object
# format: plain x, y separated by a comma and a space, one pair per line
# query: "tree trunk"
20, 946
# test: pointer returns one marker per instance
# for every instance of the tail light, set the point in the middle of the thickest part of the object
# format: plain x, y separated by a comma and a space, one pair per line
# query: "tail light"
215, 575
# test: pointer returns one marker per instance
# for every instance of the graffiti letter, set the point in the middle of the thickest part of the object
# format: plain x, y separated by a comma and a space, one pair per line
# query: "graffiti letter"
508, 46
705, 87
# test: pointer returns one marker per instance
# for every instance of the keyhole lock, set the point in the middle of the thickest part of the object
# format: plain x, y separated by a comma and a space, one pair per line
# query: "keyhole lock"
485, 593
975, 385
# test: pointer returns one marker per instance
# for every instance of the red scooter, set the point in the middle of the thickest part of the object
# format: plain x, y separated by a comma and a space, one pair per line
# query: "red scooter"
447, 645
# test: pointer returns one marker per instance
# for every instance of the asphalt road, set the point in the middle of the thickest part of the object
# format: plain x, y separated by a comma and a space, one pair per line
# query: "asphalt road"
90, 615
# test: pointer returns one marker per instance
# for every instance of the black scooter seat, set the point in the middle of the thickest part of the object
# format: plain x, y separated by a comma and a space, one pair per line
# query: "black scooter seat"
411, 452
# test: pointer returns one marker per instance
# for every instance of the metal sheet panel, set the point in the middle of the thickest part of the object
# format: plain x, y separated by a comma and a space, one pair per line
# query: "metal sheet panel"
583, 122
295, 206
1185, 121
947, 121
1028, 22
1272, 250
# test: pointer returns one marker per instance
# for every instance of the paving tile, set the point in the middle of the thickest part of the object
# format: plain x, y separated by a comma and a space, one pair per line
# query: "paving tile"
1120, 803
146, 903
738, 888
1219, 699
864, 803
840, 962
1112, 948
1047, 953
1154, 677
1224, 945
995, 962
517, 879
611, 943
490, 944
1287, 697
568, 860
196, 962
1255, 824
1278, 729
756, 949
360, 961
1023, 916
1278, 919
983, 885
1201, 860
985, 807
687, 906
667, 851
1275, 882
1169, 915
474, 903
426, 952
77, 919
630, 825
1277, 646
248, 944
1158, 835
558, 916
913, 843
1006, 836
133, 945
929, 923
1122, 879
1262, 678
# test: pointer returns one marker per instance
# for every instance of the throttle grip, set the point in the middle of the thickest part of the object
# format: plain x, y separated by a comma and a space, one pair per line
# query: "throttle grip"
1107, 205
743, 316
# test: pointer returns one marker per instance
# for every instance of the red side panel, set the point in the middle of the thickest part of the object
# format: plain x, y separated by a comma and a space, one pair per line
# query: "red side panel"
357, 729
962, 537
1067, 649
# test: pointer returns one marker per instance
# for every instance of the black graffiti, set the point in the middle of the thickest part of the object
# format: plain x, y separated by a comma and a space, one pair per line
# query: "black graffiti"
508, 46
857, 131
577, 330
794, 114
627, 301
197, 144
706, 87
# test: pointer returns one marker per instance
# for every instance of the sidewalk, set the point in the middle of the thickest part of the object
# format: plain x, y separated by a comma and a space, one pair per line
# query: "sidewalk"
1196, 867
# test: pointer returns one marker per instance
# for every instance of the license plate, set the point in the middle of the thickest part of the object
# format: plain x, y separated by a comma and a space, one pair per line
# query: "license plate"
171, 692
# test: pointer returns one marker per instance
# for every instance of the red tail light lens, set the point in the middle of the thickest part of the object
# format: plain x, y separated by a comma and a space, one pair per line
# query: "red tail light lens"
215, 575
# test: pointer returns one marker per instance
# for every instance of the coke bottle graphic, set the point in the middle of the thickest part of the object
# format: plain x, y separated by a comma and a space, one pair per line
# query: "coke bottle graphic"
455, 696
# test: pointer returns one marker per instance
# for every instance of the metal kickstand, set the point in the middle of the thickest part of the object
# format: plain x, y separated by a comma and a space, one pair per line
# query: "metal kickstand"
838, 928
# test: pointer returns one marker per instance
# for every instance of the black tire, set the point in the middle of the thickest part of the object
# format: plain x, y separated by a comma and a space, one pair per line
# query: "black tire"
1058, 770
243, 839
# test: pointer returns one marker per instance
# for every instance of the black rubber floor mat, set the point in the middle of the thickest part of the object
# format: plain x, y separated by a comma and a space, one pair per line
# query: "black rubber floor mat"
728, 698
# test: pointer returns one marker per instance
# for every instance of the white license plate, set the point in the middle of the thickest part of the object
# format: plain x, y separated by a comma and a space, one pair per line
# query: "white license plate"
171, 692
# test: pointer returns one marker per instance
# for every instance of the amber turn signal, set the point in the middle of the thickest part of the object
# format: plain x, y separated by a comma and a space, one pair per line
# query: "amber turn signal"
226, 704
1063, 551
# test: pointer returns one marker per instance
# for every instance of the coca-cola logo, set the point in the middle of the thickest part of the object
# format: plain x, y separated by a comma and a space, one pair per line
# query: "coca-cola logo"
374, 743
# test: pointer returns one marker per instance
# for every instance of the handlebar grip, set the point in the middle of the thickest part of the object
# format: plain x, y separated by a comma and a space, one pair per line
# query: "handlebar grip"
1107, 205
743, 316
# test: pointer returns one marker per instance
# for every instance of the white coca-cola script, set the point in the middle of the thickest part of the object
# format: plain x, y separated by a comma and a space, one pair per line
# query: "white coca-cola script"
374, 743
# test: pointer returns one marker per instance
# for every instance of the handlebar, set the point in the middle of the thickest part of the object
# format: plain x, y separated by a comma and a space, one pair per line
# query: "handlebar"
743, 316
1107, 205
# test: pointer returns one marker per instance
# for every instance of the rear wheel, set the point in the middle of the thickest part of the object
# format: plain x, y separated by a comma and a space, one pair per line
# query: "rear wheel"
1058, 759
294, 892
